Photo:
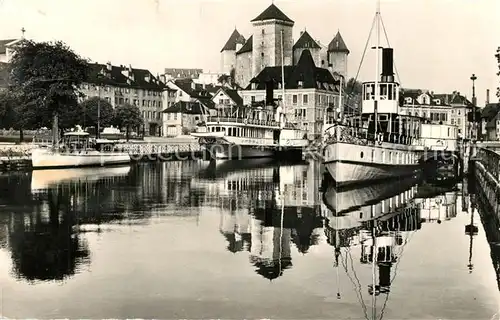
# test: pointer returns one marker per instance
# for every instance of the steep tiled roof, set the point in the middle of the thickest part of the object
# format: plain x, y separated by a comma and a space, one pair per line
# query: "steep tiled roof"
198, 91
306, 41
454, 98
114, 76
305, 71
3, 43
490, 111
272, 12
234, 39
337, 44
185, 107
247, 47
233, 95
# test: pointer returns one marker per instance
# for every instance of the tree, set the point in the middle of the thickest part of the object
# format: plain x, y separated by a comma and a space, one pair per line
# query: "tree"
47, 76
127, 116
16, 113
353, 87
223, 79
89, 109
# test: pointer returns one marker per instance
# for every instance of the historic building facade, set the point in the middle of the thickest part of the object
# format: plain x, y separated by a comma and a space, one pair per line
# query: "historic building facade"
273, 35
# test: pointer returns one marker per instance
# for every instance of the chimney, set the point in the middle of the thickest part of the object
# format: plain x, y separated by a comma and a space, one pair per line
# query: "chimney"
387, 65
269, 93
487, 96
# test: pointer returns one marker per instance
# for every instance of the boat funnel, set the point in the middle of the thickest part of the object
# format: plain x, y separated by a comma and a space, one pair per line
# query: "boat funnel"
269, 93
387, 65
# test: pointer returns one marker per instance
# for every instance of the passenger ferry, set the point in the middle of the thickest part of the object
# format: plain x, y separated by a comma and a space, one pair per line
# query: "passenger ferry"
378, 144
76, 150
251, 132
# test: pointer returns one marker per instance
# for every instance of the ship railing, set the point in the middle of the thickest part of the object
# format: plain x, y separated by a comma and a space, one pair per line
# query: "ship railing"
362, 136
269, 123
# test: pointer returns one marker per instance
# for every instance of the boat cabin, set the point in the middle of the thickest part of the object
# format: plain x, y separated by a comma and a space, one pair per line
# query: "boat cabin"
80, 140
261, 122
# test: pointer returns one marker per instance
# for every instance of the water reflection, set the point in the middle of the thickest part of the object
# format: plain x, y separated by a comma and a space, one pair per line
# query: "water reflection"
51, 208
264, 208
225, 222
380, 219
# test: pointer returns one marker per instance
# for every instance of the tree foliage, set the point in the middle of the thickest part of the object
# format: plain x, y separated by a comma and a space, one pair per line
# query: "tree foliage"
353, 87
127, 116
89, 112
46, 75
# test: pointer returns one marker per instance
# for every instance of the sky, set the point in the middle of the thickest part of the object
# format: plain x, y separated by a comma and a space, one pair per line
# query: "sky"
438, 44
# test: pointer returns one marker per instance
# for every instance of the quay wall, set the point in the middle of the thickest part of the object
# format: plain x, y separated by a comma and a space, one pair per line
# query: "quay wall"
18, 156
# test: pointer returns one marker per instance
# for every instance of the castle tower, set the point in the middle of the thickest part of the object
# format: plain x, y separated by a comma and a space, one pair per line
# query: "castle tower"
337, 55
266, 48
306, 42
228, 52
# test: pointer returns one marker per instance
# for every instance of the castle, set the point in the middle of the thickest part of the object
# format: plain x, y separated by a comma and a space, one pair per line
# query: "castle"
243, 58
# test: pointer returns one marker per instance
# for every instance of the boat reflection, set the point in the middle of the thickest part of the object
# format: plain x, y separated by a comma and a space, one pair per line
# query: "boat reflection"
380, 220
41, 180
44, 229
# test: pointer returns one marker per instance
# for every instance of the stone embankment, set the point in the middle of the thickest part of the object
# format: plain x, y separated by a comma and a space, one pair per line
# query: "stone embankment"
18, 156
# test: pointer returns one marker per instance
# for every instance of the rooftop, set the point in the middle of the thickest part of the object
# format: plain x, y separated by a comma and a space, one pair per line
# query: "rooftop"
306, 41
234, 39
304, 71
337, 44
272, 13
123, 76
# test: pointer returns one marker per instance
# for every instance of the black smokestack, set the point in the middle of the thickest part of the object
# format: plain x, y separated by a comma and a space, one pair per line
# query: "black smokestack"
384, 275
269, 93
387, 65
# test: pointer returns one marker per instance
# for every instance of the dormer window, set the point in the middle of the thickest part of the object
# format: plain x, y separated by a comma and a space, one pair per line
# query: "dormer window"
254, 86
408, 100
300, 83
318, 84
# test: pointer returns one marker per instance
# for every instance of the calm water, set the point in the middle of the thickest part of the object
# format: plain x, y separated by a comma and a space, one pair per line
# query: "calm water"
238, 240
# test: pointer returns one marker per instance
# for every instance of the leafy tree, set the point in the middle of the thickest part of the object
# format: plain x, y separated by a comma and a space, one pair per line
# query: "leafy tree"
223, 79
127, 116
89, 109
16, 113
353, 87
47, 76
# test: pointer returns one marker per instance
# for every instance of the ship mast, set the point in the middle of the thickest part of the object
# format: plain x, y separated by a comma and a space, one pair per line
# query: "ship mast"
283, 73
377, 71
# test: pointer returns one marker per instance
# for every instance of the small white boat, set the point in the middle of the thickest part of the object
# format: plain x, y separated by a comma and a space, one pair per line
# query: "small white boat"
76, 150
43, 179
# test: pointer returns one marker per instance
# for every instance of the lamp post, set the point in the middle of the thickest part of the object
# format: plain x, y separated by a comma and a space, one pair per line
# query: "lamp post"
473, 78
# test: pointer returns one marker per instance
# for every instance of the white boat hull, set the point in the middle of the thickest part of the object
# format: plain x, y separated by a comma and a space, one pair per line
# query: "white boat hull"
238, 152
43, 179
352, 164
48, 159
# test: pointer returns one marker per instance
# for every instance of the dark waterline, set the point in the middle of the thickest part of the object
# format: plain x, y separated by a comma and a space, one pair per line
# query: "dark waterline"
237, 240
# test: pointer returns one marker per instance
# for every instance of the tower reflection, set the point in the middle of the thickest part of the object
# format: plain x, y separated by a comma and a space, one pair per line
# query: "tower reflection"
265, 207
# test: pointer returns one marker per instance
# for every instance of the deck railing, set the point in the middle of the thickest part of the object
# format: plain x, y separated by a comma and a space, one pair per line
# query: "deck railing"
362, 136
269, 123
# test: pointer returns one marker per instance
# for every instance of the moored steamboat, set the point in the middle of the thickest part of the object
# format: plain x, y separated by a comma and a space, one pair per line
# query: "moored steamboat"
380, 143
